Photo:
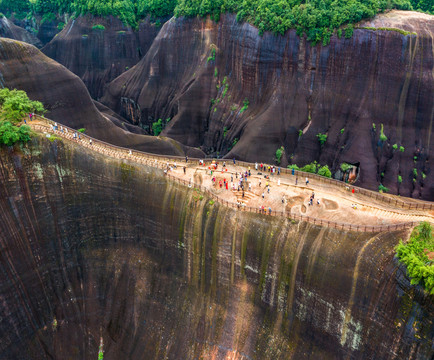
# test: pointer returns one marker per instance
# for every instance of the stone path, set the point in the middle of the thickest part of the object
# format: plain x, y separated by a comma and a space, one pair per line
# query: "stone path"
336, 204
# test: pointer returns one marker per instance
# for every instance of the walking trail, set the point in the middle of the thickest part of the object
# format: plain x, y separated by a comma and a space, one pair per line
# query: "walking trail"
337, 203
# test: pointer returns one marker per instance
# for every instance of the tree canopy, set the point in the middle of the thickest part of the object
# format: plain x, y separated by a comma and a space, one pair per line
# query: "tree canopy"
316, 18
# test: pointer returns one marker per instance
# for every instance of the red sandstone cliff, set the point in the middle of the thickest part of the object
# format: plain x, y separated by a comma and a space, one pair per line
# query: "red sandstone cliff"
376, 77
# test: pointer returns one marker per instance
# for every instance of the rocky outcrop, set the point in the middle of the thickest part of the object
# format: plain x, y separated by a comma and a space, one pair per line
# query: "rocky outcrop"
99, 55
231, 91
94, 248
65, 97
9, 30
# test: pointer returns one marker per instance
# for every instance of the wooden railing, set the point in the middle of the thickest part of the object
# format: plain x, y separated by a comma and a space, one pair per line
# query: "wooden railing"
159, 161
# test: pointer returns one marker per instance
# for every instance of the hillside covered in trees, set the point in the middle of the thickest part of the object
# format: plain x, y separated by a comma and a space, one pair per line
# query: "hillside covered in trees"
317, 18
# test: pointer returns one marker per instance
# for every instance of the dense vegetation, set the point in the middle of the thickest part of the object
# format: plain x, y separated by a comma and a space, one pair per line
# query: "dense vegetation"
317, 18
14, 107
414, 255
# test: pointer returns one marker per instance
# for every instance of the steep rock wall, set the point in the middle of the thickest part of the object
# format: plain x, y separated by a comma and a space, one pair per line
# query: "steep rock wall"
9, 30
376, 77
92, 247
98, 56
67, 100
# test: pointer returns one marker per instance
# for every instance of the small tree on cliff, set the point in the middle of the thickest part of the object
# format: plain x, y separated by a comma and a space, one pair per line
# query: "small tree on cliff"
15, 105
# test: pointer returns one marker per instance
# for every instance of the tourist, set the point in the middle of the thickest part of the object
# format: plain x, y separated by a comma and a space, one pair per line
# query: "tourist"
269, 210
317, 202
263, 195
186, 159
296, 180
259, 182
268, 189
184, 170
307, 181
256, 166
250, 186
234, 161
90, 141
278, 170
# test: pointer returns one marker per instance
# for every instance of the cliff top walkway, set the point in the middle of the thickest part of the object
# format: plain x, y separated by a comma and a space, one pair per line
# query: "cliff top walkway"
363, 210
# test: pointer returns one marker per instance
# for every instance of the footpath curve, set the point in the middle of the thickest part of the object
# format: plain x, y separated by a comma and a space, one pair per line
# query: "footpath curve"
416, 211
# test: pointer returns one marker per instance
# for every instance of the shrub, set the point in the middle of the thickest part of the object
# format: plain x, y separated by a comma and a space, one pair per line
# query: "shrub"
300, 133
211, 202
60, 26
82, 130
349, 31
234, 107
373, 126
216, 72
383, 137
157, 127
382, 188
399, 179
413, 255
395, 146
245, 105
11, 134
415, 173
322, 138
98, 27
423, 176
310, 168
279, 153
401, 149
342, 131
293, 166
325, 171
345, 167
339, 33
212, 56
15, 105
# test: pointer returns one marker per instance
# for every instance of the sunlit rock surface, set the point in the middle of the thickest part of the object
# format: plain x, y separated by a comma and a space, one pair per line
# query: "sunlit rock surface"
92, 247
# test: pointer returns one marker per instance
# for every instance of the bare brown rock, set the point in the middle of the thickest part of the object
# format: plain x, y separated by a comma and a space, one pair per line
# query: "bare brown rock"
98, 56
376, 77
67, 100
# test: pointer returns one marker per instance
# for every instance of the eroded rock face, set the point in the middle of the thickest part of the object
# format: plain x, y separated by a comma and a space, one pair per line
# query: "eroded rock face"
9, 30
376, 77
98, 56
67, 100
92, 247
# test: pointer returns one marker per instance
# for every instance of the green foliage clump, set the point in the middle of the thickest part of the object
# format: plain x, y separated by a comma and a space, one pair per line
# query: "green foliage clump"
216, 72
322, 138
11, 134
395, 146
415, 173
310, 168
300, 133
413, 254
325, 171
245, 105
383, 137
293, 166
60, 26
98, 27
382, 188
401, 149
399, 179
349, 31
157, 127
15, 105
345, 167
225, 131
342, 130
212, 56
279, 153
82, 130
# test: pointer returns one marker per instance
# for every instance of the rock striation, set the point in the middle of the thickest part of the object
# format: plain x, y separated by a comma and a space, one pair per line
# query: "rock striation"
67, 100
99, 49
93, 248
230, 91
9, 30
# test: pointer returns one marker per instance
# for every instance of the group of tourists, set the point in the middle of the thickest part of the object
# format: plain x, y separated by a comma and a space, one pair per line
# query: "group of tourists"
267, 168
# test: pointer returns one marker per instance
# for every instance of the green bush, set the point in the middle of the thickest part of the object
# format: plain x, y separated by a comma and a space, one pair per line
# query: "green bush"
382, 188
310, 168
325, 171
349, 31
395, 146
401, 149
11, 134
60, 26
415, 173
399, 179
345, 167
279, 153
413, 255
322, 138
157, 127
293, 166
383, 137
82, 130
342, 130
245, 105
15, 105
98, 27
300, 133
